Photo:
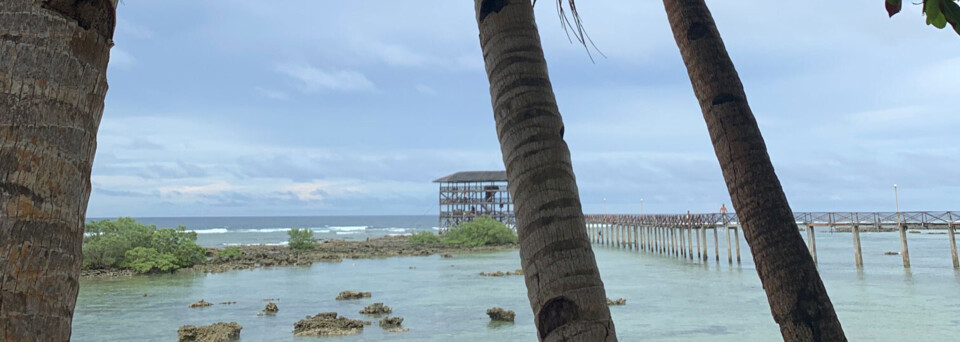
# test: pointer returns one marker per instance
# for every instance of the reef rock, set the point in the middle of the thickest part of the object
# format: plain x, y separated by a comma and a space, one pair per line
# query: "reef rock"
271, 308
201, 304
391, 322
376, 309
501, 315
345, 295
217, 332
619, 301
327, 324
502, 273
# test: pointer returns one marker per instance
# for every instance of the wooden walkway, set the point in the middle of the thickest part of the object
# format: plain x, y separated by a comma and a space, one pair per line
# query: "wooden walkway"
676, 234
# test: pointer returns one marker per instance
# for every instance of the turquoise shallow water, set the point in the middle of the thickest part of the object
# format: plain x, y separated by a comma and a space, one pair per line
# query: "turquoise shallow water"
668, 299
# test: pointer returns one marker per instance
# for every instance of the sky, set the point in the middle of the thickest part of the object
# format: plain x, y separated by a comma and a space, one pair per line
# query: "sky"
304, 107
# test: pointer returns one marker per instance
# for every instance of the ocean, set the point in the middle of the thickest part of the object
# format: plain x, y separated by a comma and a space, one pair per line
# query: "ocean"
444, 299
234, 231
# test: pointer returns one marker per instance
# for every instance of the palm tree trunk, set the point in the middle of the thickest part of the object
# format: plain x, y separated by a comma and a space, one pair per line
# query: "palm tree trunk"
53, 62
560, 270
796, 295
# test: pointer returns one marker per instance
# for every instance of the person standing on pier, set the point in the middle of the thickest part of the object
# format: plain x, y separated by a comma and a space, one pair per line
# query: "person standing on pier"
723, 209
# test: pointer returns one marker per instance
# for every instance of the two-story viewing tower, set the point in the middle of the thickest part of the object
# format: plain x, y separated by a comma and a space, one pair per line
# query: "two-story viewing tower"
470, 194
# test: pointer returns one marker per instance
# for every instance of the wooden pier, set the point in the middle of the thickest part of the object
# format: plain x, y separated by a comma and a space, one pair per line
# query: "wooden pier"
676, 235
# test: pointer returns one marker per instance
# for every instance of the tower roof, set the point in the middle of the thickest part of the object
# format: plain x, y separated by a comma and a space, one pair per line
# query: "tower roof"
474, 176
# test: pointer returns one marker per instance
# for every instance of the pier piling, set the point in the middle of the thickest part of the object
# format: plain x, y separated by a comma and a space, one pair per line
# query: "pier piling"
703, 237
904, 250
683, 243
613, 235
668, 235
616, 235
609, 235
675, 239
678, 240
663, 239
812, 242
857, 254
716, 244
729, 249
655, 240
736, 240
699, 249
619, 229
953, 245
626, 236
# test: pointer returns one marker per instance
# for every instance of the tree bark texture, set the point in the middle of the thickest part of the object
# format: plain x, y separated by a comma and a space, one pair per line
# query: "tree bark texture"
795, 292
560, 269
53, 63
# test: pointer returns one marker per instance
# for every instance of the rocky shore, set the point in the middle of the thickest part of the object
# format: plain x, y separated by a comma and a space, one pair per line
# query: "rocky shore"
328, 324
253, 257
618, 301
217, 332
501, 315
502, 273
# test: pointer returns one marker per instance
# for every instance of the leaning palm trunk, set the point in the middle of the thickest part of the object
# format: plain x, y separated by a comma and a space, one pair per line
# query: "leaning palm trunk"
560, 270
53, 62
797, 298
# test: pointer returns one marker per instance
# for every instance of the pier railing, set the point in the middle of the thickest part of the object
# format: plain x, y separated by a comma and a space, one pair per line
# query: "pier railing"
912, 219
674, 234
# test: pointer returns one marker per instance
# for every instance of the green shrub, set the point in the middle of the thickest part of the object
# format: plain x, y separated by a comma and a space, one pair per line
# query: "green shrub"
424, 237
479, 232
301, 239
109, 243
135, 233
232, 252
149, 260
179, 243
104, 251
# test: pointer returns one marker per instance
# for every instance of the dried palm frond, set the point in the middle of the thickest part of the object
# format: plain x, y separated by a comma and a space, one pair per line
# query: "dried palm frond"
573, 23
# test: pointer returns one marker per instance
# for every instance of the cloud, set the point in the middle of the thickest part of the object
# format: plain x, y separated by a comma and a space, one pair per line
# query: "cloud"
318, 190
313, 79
424, 89
272, 94
120, 193
120, 58
141, 143
397, 55
129, 28
206, 189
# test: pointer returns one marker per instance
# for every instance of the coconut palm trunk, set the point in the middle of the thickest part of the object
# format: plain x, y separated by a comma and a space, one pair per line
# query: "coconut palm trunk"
797, 297
53, 63
560, 270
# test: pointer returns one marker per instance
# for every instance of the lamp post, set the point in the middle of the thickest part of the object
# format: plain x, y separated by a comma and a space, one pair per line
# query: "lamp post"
604, 206
641, 207
896, 198
904, 250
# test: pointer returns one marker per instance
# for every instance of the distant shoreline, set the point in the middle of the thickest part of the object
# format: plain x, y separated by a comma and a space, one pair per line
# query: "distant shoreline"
259, 256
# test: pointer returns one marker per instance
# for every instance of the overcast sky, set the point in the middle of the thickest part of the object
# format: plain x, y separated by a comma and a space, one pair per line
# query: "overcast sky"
252, 107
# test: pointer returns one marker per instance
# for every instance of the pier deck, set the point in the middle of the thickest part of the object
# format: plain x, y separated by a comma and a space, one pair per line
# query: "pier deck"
676, 234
